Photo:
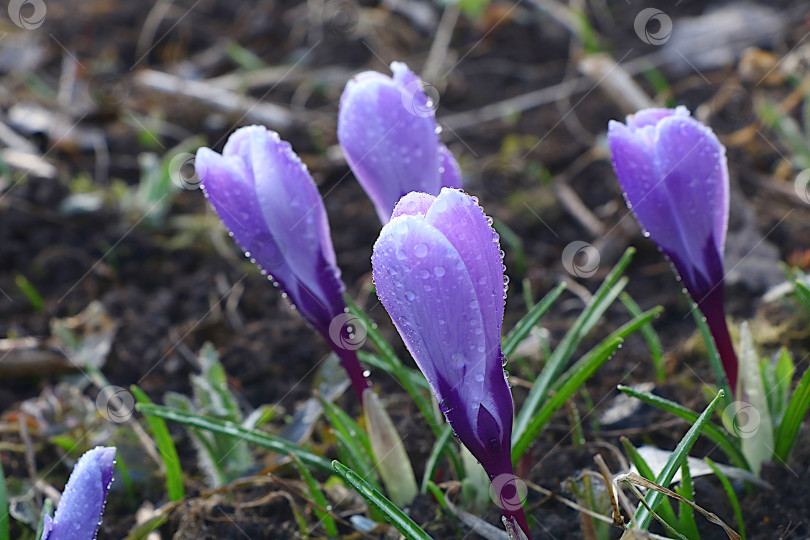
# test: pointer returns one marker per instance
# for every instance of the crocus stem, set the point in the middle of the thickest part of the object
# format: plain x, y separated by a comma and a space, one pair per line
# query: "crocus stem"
508, 494
349, 361
712, 307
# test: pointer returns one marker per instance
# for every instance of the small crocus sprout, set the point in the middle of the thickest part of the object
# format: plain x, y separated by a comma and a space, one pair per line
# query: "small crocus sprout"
439, 273
266, 198
78, 515
387, 129
674, 175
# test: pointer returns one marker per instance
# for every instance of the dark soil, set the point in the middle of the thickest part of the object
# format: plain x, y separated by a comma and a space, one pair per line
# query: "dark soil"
169, 288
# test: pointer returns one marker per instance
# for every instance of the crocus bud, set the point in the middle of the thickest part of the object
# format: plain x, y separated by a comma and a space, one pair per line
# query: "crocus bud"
674, 175
438, 271
265, 197
78, 515
387, 128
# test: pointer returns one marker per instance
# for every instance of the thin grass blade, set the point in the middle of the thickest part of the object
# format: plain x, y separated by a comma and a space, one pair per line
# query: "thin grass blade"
394, 515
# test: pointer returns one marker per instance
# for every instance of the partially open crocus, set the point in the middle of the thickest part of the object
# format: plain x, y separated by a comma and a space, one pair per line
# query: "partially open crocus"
78, 515
266, 198
387, 129
674, 175
438, 271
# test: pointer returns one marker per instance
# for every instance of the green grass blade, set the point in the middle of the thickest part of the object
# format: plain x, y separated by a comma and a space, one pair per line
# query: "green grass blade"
732, 497
394, 515
794, 414
354, 440
687, 525
712, 431
530, 320
714, 355
802, 293
433, 460
386, 352
168, 452
259, 438
5, 526
321, 506
664, 478
47, 510
604, 296
575, 377
31, 293
665, 508
650, 336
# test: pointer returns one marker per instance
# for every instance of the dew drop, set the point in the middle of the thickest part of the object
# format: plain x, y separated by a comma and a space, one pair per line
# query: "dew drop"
420, 250
409, 295
439, 271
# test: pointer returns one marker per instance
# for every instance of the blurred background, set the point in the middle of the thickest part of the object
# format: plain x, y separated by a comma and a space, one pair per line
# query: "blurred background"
109, 254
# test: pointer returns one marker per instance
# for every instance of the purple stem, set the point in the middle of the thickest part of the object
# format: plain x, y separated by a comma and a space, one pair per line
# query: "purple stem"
509, 502
712, 307
349, 361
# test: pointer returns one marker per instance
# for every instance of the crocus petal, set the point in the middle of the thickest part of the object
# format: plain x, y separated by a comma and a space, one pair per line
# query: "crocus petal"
388, 132
675, 178
673, 172
413, 204
267, 199
79, 513
438, 272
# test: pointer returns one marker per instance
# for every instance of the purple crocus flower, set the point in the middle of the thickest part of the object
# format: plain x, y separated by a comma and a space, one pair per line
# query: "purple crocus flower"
438, 271
78, 515
265, 197
674, 175
387, 128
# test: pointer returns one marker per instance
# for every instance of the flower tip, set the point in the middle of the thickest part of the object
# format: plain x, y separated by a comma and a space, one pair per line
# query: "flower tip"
414, 203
